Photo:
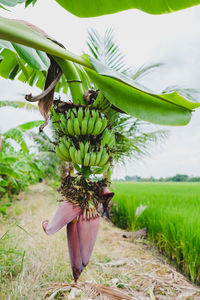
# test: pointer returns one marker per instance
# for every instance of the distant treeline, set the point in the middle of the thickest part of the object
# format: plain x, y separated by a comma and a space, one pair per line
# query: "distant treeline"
177, 178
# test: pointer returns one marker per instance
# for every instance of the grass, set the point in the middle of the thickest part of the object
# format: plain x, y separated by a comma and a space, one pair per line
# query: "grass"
172, 217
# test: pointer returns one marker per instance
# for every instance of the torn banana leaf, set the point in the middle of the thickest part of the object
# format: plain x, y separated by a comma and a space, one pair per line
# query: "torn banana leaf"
138, 101
26, 64
35, 58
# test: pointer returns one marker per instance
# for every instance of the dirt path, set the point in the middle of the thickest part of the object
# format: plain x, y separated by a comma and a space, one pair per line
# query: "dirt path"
116, 262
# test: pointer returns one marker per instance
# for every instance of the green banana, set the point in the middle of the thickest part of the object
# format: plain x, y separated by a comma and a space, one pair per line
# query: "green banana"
63, 124
64, 151
55, 119
84, 126
59, 154
98, 157
97, 127
82, 149
70, 127
94, 114
104, 158
87, 114
86, 159
76, 127
56, 124
74, 111
78, 157
105, 137
72, 116
91, 123
80, 115
111, 141
55, 115
104, 124
93, 157
86, 147
66, 142
105, 104
106, 107
99, 100
97, 116
69, 113
72, 151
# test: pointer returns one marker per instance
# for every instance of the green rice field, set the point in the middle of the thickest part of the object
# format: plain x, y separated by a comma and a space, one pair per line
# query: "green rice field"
172, 217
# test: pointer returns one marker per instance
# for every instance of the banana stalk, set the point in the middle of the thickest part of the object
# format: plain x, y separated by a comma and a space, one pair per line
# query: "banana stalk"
73, 79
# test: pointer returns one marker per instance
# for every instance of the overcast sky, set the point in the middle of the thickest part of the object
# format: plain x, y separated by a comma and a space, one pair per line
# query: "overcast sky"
173, 39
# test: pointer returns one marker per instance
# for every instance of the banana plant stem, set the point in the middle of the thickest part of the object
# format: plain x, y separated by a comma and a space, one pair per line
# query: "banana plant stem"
73, 79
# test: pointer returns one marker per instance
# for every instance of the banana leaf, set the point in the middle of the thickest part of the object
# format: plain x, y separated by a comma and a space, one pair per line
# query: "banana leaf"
138, 101
34, 58
93, 8
139, 104
120, 90
26, 64
7, 170
16, 134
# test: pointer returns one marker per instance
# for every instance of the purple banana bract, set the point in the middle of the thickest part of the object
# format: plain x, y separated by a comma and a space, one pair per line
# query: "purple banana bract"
87, 231
65, 213
74, 250
81, 234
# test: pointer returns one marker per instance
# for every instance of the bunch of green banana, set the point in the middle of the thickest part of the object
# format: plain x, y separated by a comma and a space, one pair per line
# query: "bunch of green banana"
62, 149
108, 138
82, 122
73, 147
84, 155
102, 103
55, 118
94, 158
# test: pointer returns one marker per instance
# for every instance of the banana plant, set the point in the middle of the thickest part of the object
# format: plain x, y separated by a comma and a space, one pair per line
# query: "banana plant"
86, 138
15, 166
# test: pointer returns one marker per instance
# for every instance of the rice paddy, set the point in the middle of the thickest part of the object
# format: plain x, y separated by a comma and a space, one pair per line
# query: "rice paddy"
172, 217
